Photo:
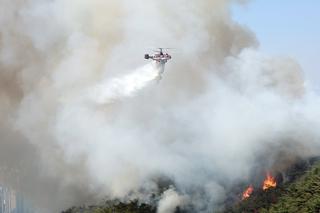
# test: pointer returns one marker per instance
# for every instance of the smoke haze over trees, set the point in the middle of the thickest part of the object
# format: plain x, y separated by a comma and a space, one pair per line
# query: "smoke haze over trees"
82, 118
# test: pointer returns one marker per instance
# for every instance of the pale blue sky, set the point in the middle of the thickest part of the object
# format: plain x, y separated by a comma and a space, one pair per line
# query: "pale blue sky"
286, 28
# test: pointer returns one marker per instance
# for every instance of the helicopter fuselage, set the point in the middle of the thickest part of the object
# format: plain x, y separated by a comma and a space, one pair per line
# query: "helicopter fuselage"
161, 57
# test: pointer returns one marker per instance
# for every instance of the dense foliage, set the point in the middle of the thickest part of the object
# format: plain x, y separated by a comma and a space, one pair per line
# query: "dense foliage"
301, 196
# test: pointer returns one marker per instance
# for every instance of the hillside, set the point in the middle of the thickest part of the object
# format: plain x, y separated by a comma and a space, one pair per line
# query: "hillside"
299, 196
114, 207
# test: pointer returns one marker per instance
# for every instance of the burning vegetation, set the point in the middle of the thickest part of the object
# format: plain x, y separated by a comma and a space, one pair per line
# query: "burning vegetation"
299, 193
247, 193
296, 189
269, 182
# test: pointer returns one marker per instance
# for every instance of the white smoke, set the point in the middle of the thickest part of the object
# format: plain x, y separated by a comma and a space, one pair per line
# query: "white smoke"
170, 201
79, 123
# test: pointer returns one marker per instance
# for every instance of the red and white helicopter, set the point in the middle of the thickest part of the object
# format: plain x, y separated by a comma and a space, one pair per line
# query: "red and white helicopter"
159, 57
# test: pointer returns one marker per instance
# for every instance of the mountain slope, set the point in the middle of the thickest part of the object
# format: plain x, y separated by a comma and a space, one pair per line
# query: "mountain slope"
299, 196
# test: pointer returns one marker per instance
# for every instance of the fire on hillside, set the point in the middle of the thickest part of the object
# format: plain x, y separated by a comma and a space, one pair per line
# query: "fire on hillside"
269, 182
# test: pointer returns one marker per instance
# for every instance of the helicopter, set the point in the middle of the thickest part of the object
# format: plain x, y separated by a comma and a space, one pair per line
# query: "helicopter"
159, 57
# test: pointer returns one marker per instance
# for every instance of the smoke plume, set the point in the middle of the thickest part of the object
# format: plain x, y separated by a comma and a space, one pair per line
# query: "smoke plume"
82, 117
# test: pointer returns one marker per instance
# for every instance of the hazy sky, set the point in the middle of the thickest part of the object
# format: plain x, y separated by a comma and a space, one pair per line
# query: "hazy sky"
286, 28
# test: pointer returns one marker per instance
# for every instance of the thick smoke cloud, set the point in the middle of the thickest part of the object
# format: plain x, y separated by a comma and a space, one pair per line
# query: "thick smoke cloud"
82, 117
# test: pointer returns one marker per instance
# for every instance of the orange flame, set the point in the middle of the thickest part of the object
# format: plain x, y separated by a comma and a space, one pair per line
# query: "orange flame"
269, 182
247, 193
